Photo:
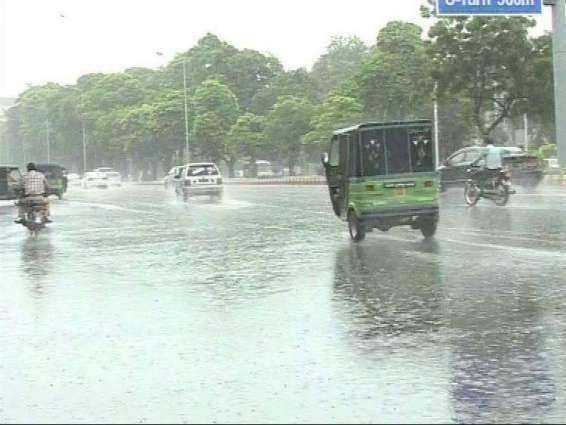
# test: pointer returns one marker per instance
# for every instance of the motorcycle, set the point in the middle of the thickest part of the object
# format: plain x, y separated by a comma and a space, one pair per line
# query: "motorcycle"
497, 188
34, 219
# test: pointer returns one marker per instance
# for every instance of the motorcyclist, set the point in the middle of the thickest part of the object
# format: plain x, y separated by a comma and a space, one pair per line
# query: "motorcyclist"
491, 161
33, 189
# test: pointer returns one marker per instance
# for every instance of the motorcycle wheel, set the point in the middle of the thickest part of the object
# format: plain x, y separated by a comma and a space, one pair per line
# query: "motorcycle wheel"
502, 195
472, 194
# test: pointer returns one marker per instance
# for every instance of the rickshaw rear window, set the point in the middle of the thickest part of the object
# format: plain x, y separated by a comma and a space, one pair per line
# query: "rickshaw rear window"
396, 151
373, 153
421, 150
398, 155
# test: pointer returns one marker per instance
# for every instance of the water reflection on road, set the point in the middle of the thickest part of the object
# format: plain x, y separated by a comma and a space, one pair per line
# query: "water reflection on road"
137, 307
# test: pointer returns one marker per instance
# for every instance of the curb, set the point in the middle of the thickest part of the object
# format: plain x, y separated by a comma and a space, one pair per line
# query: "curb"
555, 179
297, 181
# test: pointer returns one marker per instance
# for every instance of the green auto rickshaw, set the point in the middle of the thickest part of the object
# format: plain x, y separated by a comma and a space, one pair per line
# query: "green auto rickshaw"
382, 175
56, 176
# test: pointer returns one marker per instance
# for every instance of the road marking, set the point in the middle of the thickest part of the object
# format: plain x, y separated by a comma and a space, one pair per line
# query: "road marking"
111, 207
480, 232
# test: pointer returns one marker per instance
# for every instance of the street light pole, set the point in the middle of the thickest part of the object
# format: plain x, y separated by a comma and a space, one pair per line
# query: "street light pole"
559, 60
526, 129
187, 152
186, 101
436, 131
47, 141
84, 146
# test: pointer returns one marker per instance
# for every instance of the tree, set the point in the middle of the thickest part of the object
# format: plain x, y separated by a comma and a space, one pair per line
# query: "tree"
540, 91
336, 111
341, 61
245, 138
485, 59
211, 136
395, 82
297, 83
216, 110
249, 72
286, 125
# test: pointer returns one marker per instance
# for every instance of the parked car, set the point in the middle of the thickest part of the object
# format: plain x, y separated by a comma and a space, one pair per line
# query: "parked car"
264, 169
526, 170
94, 179
10, 178
114, 177
552, 165
200, 179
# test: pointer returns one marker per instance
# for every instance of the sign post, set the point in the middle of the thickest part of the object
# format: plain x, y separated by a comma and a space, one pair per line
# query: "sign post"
488, 7
559, 61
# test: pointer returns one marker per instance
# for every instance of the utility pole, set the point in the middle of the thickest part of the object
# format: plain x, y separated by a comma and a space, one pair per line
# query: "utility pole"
187, 154
47, 141
84, 147
526, 129
436, 130
559, 60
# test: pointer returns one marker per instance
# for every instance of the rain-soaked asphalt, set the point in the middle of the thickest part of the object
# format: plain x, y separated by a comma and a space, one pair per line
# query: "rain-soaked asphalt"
134, 307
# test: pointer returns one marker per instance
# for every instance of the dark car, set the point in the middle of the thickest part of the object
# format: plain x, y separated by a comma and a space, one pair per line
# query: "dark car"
526, 170
10, 177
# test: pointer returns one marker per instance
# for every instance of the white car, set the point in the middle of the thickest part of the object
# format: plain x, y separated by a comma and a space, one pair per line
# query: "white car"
95, 179
74, 179
200, 179
114, 177
264, 169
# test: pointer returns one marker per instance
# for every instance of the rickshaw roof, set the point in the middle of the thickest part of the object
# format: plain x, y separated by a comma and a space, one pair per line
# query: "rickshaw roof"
382, 125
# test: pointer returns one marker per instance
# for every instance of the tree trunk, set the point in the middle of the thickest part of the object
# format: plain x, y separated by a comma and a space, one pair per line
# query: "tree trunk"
231, 163
292, 162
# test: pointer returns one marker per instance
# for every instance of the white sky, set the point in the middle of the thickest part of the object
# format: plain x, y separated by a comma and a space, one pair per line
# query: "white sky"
38, 45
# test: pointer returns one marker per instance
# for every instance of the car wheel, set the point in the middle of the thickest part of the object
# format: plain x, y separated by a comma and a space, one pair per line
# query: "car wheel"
356, 228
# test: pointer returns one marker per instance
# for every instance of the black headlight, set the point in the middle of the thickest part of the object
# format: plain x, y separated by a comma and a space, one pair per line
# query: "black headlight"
219, 180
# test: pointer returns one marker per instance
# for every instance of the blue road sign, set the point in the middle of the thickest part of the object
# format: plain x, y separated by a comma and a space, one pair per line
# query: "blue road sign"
488, 7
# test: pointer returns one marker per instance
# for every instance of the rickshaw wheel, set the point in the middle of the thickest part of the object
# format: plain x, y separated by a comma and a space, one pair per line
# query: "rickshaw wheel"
356, 228
428, 227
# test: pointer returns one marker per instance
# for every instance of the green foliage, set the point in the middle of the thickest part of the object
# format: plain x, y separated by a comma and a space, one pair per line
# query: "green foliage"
298, 83
336, 111
340, 62
243, 105
394, 83
548, 151
486, 60
286, 125
246, 138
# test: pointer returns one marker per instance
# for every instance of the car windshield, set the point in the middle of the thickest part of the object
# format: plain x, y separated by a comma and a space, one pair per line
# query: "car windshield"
202, 170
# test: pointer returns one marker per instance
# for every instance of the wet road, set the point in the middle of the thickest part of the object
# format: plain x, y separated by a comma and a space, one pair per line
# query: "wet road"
134, 307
